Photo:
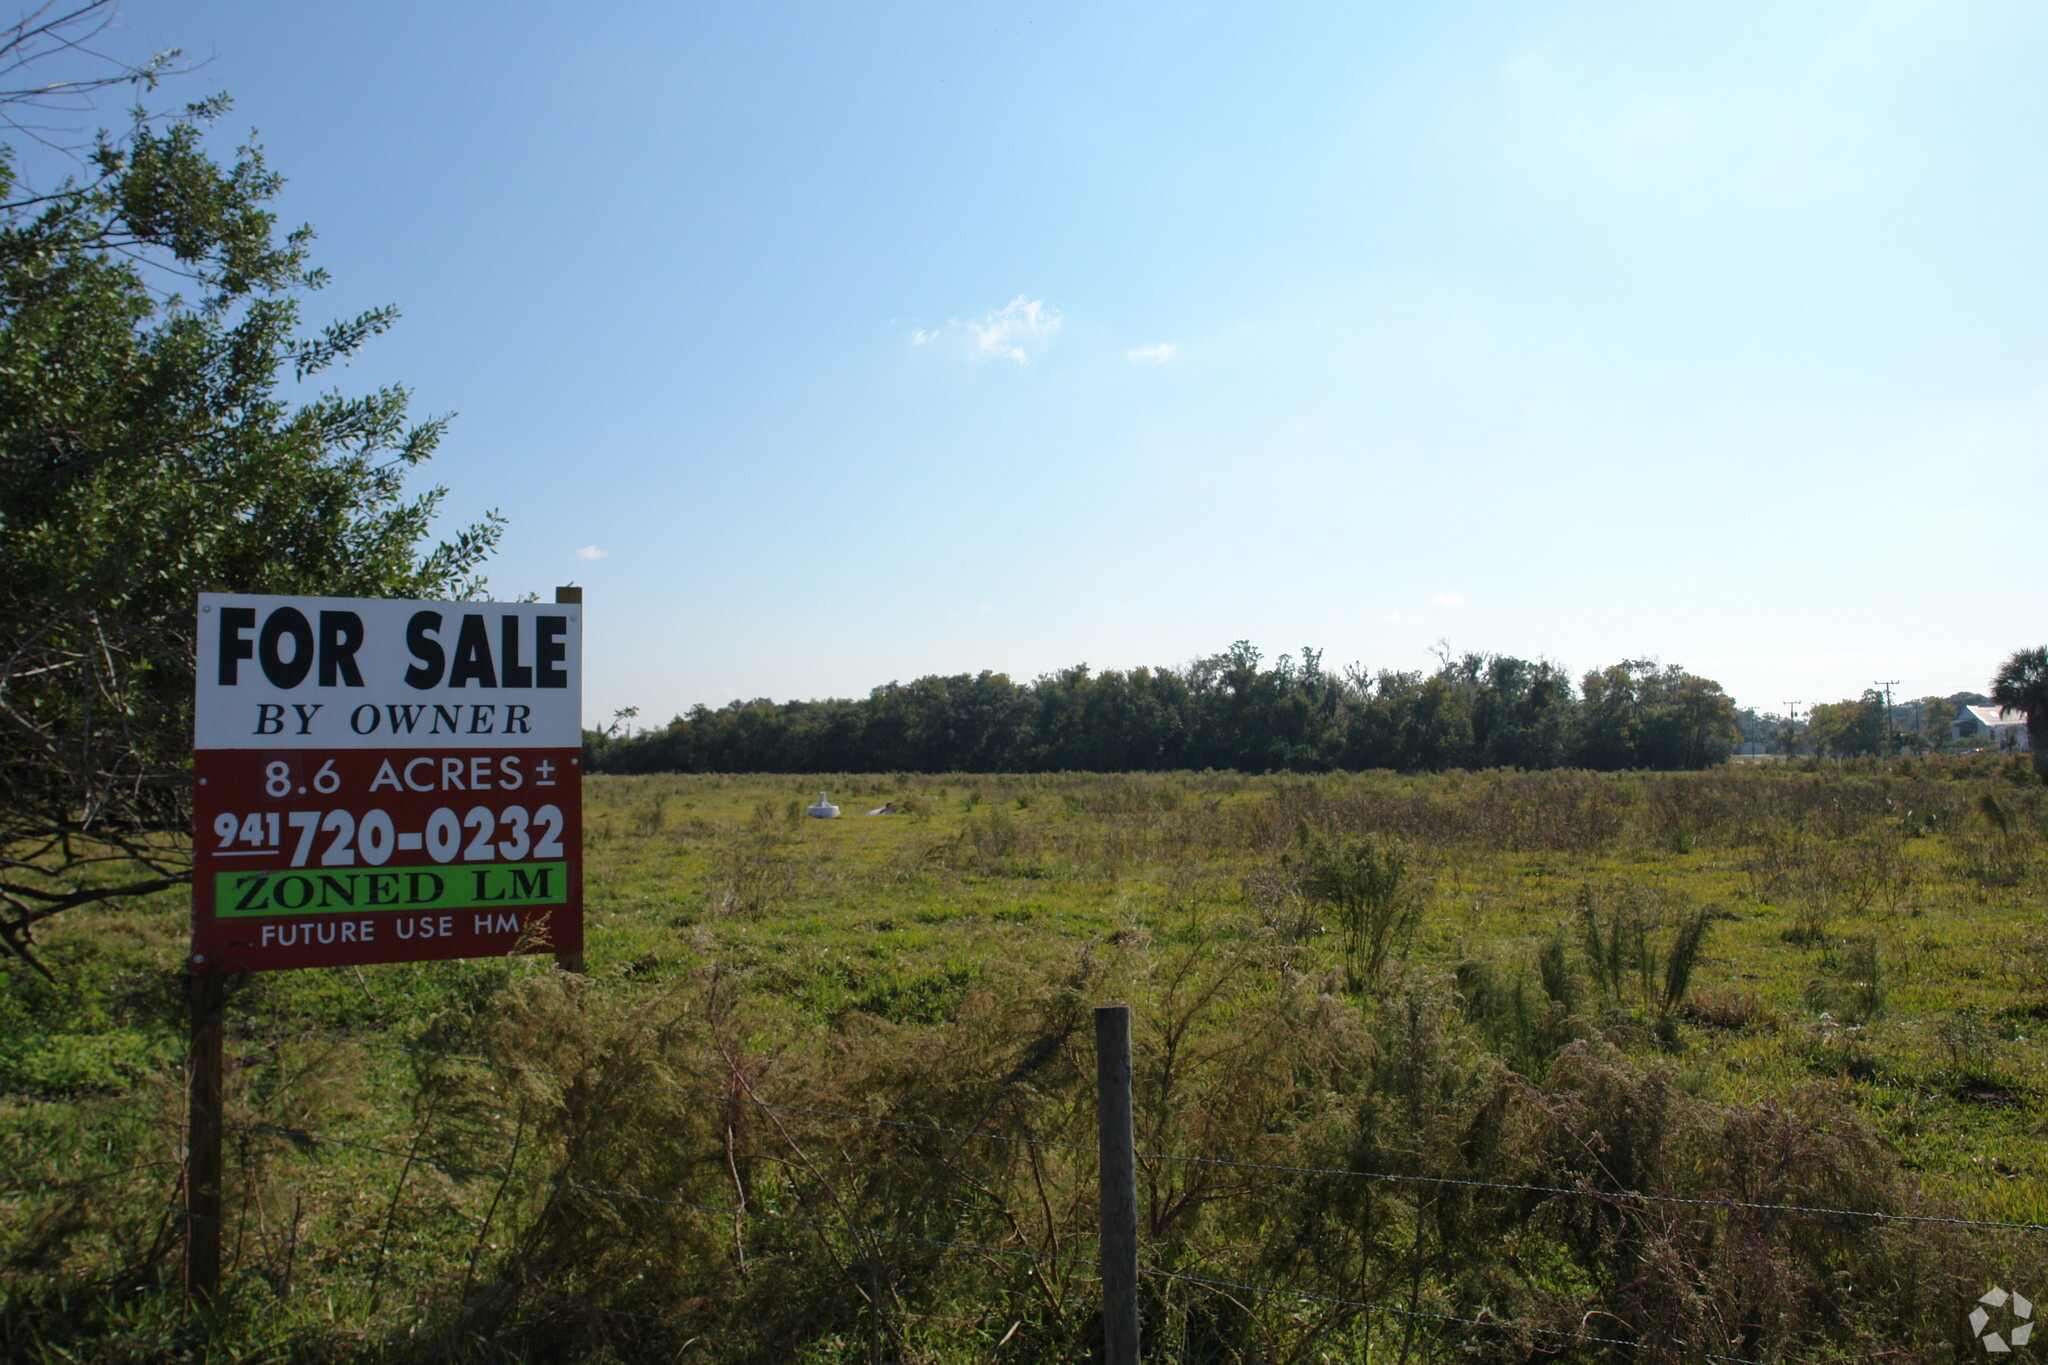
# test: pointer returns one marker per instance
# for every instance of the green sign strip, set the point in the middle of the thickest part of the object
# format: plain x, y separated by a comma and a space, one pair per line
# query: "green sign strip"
353, 890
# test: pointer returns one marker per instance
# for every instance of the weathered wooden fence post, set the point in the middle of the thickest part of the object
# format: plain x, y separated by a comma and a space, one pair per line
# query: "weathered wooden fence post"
1119, 1245
207, 996
570, 596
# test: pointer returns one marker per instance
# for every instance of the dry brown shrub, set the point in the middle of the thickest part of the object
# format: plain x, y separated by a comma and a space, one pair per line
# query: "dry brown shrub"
1709, 1007
588, 1127
1747, 1269
750, 871
1561, 811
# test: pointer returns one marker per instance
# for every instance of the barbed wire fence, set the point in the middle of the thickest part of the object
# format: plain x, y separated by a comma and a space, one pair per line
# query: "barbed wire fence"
1478, 1319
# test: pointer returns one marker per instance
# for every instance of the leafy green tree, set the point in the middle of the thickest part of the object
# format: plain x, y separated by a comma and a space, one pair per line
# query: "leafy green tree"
1635, 715
151, 448
1789, 738
1610, 719
1521, 711
1848, 729
1933, 716
1111, 722
2021, 684
1689, 722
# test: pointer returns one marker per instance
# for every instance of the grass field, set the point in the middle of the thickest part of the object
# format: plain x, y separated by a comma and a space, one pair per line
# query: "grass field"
1813, 986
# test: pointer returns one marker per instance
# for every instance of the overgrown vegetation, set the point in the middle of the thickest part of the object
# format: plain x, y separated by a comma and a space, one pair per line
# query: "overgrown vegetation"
1576, 1026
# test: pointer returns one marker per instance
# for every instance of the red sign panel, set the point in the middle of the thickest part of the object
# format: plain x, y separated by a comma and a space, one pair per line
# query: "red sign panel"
350, 815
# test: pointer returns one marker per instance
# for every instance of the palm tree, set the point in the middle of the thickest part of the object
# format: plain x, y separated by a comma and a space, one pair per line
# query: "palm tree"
2022, 685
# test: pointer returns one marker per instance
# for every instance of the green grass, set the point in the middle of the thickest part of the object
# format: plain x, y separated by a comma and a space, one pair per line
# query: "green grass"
1866, 1005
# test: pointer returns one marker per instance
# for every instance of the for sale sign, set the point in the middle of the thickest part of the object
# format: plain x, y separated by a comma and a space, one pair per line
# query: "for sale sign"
381, 781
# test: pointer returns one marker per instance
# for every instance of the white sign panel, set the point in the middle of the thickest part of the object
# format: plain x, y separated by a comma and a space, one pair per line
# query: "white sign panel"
360, 673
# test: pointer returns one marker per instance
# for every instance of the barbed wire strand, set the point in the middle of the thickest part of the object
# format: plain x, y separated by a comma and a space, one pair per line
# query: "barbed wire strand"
449, 1168
1601, 1194
314, 1139
89, 1103
1567, 1191
695, 1334
716, 1098
1611, 1196
1494, 1323
723, 1211
64, 1184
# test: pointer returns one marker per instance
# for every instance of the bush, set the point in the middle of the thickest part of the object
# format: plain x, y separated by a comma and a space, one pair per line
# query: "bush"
1366, 879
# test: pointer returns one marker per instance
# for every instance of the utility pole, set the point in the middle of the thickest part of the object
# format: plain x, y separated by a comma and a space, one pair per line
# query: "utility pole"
1791, 720
1891, 733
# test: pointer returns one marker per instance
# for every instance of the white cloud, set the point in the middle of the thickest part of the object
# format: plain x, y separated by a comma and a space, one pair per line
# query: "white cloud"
1448, 599
1158, 355
590, 552
1022, 322
1016, 331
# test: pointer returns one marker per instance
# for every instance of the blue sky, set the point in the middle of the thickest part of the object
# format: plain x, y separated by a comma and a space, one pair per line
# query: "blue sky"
870, 341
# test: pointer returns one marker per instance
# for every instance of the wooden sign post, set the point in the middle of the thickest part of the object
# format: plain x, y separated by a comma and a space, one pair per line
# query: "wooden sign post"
207, 997
374, 781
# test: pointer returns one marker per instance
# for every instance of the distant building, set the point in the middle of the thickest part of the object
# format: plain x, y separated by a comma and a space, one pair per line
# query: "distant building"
2007, 729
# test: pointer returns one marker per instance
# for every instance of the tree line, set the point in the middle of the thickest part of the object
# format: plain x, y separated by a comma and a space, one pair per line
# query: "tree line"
1228, 710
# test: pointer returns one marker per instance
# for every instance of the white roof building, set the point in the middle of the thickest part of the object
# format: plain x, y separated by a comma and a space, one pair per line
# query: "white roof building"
2007, 729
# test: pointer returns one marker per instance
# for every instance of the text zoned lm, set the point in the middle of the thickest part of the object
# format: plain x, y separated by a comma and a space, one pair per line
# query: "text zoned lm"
343, 891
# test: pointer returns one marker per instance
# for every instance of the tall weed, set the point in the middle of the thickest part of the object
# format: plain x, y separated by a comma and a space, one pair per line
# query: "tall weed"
1368, 881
